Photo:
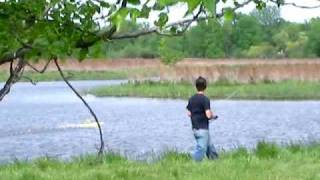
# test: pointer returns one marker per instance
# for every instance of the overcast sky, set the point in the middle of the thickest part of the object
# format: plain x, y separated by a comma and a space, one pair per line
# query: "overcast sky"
295, 14
289, 13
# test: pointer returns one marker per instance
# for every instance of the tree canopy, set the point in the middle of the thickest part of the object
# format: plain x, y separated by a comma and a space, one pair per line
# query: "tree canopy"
243, 36
62, 28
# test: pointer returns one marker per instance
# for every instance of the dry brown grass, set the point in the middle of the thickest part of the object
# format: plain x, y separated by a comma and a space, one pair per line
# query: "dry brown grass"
243, 71
234, 70
100, 64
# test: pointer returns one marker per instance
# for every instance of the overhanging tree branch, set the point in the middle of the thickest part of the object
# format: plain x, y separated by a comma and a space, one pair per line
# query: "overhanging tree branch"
39, 71
29, 80
178, 23
15, 75
179, 33
101, 149
7, 58
295, 4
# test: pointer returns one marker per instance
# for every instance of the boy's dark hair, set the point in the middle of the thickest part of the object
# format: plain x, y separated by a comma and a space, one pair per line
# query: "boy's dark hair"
201, 83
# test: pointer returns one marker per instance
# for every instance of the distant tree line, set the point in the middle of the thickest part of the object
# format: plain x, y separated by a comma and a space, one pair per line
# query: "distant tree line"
261, 34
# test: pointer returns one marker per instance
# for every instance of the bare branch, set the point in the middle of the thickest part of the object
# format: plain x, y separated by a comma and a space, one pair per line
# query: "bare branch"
29, 80
184, 28
124, 3
5, 61
178, 23
296, 5
85, 103
39, 71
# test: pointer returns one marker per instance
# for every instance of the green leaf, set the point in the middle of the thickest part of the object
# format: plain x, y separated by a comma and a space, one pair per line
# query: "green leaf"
173, 29
134, 2
83, 54
193, 4
210, 5
119, 17
158, 7
41, 42
261, 5
104, 4
163, 19
145, 11
228, 14
167, 2
134, 13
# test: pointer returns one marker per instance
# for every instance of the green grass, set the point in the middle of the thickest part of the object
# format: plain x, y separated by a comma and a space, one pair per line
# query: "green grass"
285, 90
86, 75
268, 161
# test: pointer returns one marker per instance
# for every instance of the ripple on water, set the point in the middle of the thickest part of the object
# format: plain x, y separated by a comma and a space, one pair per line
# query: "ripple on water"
140, 127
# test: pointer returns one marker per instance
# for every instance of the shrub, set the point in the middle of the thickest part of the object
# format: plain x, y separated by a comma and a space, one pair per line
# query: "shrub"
168, 54
261, 51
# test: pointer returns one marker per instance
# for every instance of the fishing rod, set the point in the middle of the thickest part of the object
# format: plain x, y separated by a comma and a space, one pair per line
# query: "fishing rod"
234, 93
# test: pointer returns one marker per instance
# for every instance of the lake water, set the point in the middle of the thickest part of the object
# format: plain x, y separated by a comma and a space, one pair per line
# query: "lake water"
38, 121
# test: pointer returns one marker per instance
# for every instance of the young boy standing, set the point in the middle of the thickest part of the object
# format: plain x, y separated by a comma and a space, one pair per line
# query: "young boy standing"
200, 113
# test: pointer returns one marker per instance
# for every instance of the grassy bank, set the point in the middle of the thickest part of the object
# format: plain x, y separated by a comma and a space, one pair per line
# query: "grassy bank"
286, 90
87, 75
268, 161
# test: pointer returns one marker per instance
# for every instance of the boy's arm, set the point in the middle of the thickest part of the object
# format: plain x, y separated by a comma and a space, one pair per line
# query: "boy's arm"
188, 109
210, 115
188, 113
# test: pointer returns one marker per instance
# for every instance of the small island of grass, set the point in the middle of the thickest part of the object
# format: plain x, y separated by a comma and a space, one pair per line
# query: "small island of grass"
284, 90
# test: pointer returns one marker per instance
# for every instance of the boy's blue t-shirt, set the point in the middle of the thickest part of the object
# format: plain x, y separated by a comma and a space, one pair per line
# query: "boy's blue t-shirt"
197, 105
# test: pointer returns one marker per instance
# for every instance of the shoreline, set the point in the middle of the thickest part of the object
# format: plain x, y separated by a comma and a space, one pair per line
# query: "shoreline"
133, 73
266, 161
185, 99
